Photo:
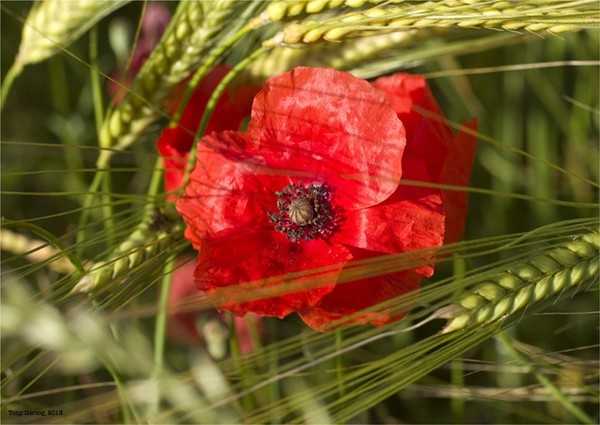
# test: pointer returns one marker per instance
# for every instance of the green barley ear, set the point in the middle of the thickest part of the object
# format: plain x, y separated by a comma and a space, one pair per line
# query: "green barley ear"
283, 10
505, 15
54, 24
569, 265
157, 233
345, 55
189, 37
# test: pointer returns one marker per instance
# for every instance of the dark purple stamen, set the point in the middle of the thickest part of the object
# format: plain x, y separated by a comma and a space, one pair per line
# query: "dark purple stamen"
304, 212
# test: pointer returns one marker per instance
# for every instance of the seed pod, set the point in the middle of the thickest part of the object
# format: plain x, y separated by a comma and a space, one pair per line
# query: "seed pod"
301, 211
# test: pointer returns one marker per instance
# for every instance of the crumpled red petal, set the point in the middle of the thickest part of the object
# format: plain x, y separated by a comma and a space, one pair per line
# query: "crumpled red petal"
350, 298
404, 226
412, 218
229, 188
433, 154
330, 126
238, 269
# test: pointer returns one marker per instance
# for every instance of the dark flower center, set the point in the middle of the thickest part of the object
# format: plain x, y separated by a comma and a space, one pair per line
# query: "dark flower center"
304, 212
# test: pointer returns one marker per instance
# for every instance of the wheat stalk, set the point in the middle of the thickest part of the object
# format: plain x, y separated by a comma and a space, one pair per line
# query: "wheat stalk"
505, 15
283, 10
155, 234
343, 56
190, 35
569, 265
49, 27
52, 25
36, 251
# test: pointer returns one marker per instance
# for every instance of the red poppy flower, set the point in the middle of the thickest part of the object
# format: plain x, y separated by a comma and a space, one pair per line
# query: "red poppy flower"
313, 185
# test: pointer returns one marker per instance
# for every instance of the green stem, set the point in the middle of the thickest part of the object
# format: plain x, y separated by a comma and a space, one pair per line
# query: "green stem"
542, 379
161, 317
107, 209
127, 408
160, 330
95, 80
155, 184
85, 212
212, 102
273, 365
253, 333
8, 80
236, 357
457, 377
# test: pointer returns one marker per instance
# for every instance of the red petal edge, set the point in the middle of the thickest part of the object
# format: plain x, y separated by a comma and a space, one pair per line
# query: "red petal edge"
457, 172
345, 303
428, 136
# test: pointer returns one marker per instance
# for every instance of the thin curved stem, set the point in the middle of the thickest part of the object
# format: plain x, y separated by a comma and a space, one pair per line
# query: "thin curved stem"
160, 330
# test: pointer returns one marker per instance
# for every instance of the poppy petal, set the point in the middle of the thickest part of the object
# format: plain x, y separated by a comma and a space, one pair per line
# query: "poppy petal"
228, 188
331, 126
426, 133
411, 219
352, 297
250, 270
457, 172
404, 226
174, 146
